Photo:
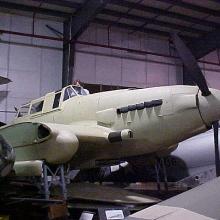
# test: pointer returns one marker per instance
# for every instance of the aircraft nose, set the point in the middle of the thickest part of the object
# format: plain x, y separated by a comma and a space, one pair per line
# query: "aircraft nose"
209, 106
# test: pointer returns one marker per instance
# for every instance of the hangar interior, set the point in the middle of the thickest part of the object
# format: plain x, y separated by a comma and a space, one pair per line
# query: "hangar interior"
106, 44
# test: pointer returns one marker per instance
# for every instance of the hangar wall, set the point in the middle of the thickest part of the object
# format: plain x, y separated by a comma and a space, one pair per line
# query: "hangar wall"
33, 65
212, 72
114, 67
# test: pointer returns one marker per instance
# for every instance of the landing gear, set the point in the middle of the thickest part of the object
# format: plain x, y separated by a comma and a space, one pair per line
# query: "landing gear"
56, 178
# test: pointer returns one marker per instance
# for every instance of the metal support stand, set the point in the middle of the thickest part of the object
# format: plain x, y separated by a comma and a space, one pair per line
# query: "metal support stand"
157, 169
160, 165
45, 182
63, 182
56, 178
164, 174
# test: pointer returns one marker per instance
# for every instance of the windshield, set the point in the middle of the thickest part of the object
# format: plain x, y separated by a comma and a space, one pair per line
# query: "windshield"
69, 93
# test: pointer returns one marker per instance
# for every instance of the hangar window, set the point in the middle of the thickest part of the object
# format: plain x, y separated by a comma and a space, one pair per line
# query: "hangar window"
23, 110
69, 93
56, 101
37, 107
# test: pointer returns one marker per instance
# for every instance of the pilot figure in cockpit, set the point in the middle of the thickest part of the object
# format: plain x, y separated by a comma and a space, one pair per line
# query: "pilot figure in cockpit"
78, 83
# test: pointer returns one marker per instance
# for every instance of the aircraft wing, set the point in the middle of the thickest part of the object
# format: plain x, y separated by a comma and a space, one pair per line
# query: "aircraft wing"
202, 202
167, 213
91, 132
34, 141
37, 132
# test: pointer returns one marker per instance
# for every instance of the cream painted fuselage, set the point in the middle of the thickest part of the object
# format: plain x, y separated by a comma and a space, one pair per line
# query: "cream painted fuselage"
182, 113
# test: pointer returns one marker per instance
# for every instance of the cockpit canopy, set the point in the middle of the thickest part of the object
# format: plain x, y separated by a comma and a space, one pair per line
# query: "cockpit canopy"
71, 91
37, 106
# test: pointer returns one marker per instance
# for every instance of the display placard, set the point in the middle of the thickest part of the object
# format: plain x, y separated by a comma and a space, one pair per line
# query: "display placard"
114, 214
86, 215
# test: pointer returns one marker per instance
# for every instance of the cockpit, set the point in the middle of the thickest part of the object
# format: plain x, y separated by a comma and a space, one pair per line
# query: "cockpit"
52, 101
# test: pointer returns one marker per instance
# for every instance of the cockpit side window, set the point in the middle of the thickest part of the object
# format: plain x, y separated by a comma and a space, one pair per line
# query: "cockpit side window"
37, 107
56, 101
69, 93
23, 110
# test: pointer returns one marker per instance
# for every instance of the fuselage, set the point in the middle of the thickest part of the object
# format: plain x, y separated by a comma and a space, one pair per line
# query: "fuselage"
155, 127
182, 163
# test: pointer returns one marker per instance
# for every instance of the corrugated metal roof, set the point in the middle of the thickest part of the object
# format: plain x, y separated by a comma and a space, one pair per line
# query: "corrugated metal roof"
203, 16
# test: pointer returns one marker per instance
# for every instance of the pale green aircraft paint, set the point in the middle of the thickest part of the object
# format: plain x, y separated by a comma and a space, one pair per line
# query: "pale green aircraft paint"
85, 130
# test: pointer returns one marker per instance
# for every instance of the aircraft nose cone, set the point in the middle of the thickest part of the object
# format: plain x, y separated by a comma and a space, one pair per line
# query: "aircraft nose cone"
209, 106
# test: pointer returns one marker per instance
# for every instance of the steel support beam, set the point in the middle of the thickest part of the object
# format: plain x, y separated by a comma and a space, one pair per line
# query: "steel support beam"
165, 13
132, 27
205, 44
73, 28
152, 21
136, 28
85, 15
21, 7
63, 3
192, 7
